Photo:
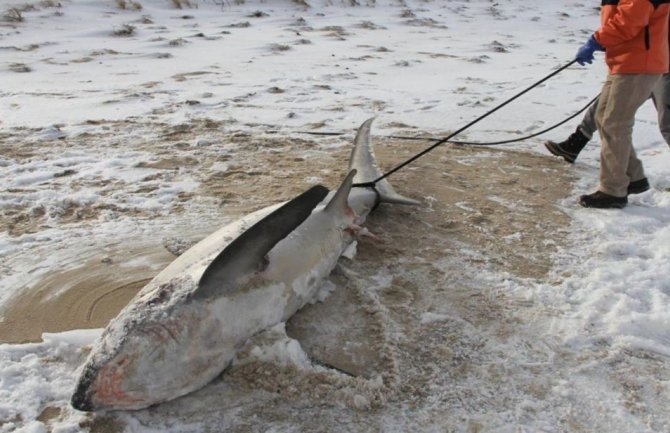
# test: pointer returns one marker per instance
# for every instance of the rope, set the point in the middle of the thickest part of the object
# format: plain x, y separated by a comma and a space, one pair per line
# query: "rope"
533, 135
469, 143
453, 134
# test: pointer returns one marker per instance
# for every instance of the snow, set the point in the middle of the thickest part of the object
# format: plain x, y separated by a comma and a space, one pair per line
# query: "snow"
620, 287
282, 350
597, 350
37, 375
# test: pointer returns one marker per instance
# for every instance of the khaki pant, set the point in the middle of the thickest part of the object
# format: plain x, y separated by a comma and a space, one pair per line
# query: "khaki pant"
620, 98
661, 98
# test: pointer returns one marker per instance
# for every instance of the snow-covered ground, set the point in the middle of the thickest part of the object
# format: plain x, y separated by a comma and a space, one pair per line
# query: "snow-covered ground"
122, 128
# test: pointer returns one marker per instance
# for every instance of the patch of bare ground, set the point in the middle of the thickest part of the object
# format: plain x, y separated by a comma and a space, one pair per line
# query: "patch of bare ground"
102, 424
128, 4
185, 75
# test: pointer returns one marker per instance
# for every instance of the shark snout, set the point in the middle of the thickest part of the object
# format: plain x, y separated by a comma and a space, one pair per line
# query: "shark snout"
81, 398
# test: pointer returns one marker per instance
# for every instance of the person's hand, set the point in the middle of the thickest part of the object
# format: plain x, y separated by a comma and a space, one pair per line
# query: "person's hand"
585, 52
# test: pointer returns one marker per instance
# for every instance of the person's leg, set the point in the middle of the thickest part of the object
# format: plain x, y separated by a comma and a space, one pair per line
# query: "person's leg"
620, 99
661, 98
638, 184
599, 199
570, 148
588, 126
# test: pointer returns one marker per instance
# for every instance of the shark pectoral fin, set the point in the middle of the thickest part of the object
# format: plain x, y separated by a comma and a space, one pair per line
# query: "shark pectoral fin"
341, 332
339, 202
247, 254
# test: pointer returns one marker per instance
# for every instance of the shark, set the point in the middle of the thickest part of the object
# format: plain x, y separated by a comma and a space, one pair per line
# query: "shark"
185, 326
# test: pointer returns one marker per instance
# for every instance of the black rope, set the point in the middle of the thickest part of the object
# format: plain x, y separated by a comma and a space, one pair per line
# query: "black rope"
533, 135
453, 134
469, 143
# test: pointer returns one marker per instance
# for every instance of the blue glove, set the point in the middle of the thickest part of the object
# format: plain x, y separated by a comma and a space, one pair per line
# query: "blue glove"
585, 52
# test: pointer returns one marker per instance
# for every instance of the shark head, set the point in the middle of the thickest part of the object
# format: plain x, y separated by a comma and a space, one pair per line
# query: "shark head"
152, 352
175, 337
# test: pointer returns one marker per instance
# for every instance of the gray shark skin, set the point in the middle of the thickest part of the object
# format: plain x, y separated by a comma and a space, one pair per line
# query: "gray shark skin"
184, 327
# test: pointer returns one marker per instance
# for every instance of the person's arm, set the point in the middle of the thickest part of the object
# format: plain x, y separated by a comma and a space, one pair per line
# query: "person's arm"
630, 18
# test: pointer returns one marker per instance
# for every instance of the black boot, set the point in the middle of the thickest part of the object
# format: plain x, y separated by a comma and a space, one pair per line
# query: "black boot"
570, 148
638, 186
601, 200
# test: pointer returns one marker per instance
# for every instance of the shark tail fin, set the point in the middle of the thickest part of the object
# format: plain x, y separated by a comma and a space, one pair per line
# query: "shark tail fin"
364, 162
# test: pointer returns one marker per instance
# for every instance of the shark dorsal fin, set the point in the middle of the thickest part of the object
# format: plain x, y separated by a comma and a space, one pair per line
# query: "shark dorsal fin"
339, 202
245, 255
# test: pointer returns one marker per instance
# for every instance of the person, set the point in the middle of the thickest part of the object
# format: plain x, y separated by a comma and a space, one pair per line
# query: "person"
634, 36
570, 148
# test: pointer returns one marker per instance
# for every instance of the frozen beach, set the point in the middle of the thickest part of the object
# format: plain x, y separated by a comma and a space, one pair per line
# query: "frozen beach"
500, 305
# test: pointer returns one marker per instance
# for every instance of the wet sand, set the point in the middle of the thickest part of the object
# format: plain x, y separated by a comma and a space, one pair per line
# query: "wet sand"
86, 296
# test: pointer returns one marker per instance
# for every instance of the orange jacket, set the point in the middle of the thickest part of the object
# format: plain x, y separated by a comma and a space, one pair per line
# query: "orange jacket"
634, 34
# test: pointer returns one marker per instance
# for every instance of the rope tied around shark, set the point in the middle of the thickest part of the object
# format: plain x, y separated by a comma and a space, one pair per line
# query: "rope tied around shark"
372, 184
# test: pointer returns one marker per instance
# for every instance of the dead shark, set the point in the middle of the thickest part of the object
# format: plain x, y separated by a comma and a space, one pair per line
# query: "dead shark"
185, 326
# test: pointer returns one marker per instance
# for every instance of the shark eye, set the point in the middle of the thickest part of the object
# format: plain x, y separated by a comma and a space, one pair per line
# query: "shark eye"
160, 297
263, 264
